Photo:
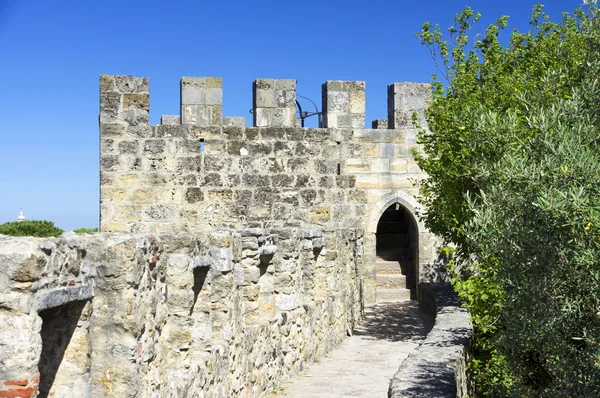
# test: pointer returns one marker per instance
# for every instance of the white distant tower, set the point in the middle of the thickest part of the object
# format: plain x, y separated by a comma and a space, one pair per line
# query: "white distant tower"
21, 216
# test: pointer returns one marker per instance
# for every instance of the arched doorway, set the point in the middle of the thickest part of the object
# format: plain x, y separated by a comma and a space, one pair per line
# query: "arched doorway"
397, 250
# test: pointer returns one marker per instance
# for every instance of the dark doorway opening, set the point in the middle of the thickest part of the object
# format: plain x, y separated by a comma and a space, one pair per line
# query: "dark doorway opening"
397, 251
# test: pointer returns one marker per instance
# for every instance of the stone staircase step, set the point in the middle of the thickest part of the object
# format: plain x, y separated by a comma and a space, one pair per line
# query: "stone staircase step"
391, 281
386, 295
387, 267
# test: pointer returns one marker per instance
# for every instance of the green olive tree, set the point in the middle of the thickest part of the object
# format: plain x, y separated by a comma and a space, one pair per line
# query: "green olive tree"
514, 166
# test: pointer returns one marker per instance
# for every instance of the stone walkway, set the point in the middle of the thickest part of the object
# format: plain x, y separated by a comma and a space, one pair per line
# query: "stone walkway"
363, 365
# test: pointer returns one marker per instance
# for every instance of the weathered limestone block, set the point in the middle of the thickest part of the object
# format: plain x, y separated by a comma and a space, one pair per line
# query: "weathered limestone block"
405, 99
170, 119
234, 121
124, 101
274, 103
66, 295
202, 101
379, 124
343, 104
267, 250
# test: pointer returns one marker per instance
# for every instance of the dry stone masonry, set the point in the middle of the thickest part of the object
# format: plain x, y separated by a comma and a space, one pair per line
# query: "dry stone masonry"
216, 314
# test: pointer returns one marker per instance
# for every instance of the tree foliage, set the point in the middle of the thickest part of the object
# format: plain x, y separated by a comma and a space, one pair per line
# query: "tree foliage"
38, 228
514, 163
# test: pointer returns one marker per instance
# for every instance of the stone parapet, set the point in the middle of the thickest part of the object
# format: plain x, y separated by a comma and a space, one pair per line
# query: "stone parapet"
192, 177
437, 368
226, 313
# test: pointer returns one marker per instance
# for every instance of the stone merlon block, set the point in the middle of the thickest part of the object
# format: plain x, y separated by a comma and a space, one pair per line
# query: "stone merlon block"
234, 121
343, 104
124, 100
404, 99
274, 103
202, 101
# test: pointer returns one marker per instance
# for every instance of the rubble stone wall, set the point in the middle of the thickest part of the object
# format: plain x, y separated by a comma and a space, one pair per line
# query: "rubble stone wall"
216, 314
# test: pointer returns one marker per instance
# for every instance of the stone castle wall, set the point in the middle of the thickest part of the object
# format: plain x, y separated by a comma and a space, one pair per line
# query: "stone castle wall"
200, 171
216, 314
230, 255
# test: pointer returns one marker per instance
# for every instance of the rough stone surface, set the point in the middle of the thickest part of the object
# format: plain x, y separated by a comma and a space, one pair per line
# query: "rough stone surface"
165, 322
202, 101
379, 124
274, 103
170, 119
230, 256
65, 295
234, 121
437, 367
209, 174
404, 100
344, 104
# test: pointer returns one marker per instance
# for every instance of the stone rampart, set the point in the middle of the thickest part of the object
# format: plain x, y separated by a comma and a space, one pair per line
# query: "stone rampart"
200, 171
437, 368
215, 314
230, 256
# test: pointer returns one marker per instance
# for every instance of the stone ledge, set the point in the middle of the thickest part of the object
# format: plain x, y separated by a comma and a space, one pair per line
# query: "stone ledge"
55, 298
437, 368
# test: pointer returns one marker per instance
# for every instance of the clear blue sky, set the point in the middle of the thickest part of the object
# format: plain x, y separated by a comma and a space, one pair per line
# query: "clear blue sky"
52, 53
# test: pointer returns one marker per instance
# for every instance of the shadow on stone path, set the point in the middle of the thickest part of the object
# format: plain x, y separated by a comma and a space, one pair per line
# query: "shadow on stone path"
363, 364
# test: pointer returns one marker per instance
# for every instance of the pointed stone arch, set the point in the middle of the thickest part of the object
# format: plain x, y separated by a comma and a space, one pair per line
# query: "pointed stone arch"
398, 196
425, 256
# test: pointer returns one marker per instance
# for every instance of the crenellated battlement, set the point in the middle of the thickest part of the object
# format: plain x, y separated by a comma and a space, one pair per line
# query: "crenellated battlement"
244, 254
200, 171
126, 100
